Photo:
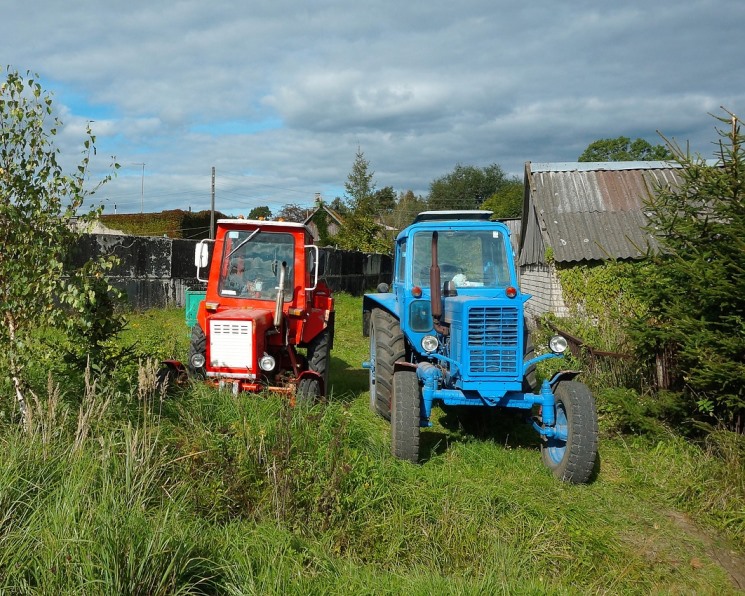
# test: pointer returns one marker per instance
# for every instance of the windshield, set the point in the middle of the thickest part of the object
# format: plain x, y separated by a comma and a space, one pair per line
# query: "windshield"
468, 258
252, 262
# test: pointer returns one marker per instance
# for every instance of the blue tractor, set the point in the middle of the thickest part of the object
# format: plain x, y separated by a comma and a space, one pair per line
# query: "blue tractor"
451, 331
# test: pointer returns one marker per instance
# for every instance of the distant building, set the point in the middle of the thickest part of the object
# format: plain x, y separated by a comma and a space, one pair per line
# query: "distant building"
333, 220
583, 212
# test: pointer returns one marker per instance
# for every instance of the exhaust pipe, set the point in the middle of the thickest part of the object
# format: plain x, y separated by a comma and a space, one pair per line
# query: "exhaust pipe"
280, 296
434, 290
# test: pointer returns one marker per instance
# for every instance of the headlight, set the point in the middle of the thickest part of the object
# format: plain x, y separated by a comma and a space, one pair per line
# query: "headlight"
198, 360
429, 343
266, 363
557, 344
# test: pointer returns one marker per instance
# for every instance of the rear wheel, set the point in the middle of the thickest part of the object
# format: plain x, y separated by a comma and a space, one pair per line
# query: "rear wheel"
405, 415
319, 355
198, 345
386, 348
572, 456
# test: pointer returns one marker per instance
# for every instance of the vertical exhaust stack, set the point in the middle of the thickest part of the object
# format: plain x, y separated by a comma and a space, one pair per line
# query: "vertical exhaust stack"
280, 296
434, 289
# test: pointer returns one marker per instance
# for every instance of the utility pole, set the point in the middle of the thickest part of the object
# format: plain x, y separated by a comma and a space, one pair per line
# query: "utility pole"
212, 210
142, 186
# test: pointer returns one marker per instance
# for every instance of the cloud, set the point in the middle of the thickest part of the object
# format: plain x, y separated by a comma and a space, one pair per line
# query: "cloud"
279, 96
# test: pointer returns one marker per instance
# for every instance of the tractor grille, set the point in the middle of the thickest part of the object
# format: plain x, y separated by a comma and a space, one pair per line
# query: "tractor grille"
493, 340
231, 344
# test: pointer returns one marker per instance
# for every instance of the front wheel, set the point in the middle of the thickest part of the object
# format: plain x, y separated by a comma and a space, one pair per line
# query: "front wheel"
197, 345
405, 415
572, 456
308, 390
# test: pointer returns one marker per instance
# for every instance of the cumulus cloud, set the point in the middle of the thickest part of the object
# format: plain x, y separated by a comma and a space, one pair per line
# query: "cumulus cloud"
279, 96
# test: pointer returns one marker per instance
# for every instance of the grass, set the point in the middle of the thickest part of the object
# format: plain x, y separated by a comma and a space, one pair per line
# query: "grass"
117, 490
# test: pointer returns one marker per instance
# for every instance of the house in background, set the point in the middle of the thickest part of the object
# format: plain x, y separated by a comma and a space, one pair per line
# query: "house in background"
332, 220
583, 212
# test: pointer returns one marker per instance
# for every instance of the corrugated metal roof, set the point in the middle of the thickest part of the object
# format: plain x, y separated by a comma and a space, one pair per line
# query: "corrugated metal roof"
590, 210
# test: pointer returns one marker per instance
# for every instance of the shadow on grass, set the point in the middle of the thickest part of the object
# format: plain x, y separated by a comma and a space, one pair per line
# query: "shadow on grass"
507, 427
347, 380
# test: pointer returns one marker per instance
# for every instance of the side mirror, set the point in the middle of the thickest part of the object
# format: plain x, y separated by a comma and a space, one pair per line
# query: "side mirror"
312, 263
201, 257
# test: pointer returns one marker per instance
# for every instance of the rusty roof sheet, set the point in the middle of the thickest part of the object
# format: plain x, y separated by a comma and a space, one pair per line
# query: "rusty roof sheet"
595, 211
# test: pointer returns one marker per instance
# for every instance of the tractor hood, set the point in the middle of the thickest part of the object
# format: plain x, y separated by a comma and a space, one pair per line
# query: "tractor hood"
262, 317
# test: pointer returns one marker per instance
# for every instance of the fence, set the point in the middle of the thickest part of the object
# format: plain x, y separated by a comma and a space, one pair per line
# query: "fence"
156, 272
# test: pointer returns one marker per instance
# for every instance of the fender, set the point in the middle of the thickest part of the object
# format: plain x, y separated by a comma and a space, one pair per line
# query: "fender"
386, 301
314, 374
174, 365
562, 375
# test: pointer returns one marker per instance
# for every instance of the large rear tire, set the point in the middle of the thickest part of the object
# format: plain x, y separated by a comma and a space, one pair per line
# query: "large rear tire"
198, 345
573, 460
405, 415
319, 355
387, 346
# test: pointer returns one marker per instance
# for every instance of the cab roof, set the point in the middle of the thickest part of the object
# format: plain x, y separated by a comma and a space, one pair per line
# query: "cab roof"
473, 214
262, 223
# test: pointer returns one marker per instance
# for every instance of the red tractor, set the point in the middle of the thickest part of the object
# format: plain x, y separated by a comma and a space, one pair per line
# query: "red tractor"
263, 301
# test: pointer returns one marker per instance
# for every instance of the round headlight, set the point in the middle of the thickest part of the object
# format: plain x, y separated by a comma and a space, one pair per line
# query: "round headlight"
558, 344
266, 363
198, 360
429, 343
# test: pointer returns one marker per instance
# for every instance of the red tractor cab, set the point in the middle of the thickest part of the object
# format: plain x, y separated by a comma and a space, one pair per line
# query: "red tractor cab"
266, 321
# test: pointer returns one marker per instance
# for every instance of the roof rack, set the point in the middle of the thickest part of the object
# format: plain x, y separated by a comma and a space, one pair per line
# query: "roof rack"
473, 214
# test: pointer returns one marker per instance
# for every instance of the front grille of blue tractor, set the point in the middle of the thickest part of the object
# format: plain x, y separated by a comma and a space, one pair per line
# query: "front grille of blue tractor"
493, 341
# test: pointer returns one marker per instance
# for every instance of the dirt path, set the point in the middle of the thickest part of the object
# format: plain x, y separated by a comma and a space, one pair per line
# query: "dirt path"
716, 547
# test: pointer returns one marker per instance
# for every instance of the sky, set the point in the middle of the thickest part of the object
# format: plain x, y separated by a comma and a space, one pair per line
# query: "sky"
279, 96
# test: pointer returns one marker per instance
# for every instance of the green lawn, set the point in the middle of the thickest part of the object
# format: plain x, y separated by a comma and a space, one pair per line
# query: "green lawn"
117, 490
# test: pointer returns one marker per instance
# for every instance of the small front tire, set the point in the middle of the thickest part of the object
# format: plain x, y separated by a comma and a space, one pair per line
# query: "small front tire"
198, 345
405, 415
573, 458
308, 390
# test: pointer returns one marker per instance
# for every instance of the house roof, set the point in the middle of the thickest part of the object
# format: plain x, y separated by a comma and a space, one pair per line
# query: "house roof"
333, 214
589, 211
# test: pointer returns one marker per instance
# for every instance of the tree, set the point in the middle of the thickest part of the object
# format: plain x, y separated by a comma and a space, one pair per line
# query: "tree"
384, 200
507, 201
262, 212
361, 229
695, 292
362, 233
339, 206
293, 212
360, 185
466, 187
407, 208
623, 149
40, 218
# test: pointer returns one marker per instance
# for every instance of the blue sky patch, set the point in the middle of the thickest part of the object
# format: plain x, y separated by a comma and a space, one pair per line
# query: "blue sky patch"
237, 127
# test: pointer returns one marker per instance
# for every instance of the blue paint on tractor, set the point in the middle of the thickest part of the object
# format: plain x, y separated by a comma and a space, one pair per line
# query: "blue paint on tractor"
454, 314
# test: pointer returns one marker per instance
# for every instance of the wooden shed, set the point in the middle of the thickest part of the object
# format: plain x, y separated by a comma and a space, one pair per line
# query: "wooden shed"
583, 212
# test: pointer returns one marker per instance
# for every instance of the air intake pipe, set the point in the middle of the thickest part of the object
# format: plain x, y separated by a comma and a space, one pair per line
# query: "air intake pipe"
280, 296
434, 289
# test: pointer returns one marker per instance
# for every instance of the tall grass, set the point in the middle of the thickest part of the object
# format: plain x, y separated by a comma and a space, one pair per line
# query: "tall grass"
127, 491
